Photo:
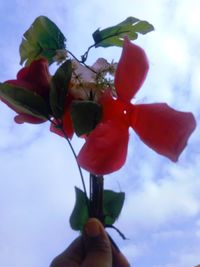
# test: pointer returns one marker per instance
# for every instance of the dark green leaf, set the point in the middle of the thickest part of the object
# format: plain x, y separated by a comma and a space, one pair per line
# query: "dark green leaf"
79, 214
85, 116
24, 101
59, 86
113, 36
42, 39
113, 203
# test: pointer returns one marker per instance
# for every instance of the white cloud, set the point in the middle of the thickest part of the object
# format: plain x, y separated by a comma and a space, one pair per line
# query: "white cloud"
185, 259
168, 234
133, 251
157, 202
37, 170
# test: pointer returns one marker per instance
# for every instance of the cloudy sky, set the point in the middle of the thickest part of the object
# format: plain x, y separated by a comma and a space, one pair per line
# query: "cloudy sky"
161, 216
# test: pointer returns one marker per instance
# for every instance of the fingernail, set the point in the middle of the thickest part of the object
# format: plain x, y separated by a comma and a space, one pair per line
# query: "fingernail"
93, 228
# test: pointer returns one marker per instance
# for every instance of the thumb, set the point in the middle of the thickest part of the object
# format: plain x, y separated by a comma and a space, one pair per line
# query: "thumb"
97, 244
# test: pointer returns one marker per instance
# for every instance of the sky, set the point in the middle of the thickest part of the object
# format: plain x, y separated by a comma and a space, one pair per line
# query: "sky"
161, 215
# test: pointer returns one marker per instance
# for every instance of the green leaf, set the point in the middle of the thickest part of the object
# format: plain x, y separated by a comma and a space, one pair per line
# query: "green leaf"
42, 39
113, 203
59, 87
24, 101
79, 214
85, 116
113, 36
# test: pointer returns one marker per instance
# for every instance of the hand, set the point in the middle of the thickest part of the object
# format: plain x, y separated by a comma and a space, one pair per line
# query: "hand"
92, 249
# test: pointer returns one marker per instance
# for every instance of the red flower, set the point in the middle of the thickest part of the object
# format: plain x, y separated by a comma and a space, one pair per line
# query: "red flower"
35, 78
66, 121
162, 128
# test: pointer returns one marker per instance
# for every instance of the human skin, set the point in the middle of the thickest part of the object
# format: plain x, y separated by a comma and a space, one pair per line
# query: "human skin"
92, 249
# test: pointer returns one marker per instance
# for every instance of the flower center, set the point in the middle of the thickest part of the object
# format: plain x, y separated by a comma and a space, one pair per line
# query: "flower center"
90, 83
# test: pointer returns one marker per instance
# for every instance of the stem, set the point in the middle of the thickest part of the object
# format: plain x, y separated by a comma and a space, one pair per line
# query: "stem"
79, 168
85, 55
75, 156
82, 61
96, 197
74, 56
113, 243
116, 229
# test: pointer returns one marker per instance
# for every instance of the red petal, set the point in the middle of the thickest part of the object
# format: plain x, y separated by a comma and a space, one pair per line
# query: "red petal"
21, 118
67, 121
23, 84
56, 130
131, 71
114, 109
37, 74
105, 149
68, 125
68, 129
162, 128
35, 78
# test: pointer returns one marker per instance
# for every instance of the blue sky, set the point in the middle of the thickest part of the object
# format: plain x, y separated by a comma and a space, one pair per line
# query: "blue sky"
161, 216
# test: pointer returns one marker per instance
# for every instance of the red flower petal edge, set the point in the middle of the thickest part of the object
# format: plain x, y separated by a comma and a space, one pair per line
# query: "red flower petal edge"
21, 118
68, 129
105, 148
131, 71
162, 128
35, 78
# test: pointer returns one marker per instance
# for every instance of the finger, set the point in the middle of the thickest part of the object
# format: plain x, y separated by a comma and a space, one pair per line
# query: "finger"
72, 256
98, 247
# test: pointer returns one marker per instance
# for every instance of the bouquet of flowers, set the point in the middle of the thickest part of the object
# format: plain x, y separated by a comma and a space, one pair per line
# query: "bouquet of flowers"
97, 104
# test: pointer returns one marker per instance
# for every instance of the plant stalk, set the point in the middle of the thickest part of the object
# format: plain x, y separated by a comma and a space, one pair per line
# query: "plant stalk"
96, 197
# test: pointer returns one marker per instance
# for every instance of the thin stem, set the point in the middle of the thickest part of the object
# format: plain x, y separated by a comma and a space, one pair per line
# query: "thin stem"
107, 83
81, 61
75, 156
85, 55
116, 229
74, 56
79, 168
113, 243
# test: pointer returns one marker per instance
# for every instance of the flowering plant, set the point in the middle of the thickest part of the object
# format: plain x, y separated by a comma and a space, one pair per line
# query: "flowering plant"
94, 102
